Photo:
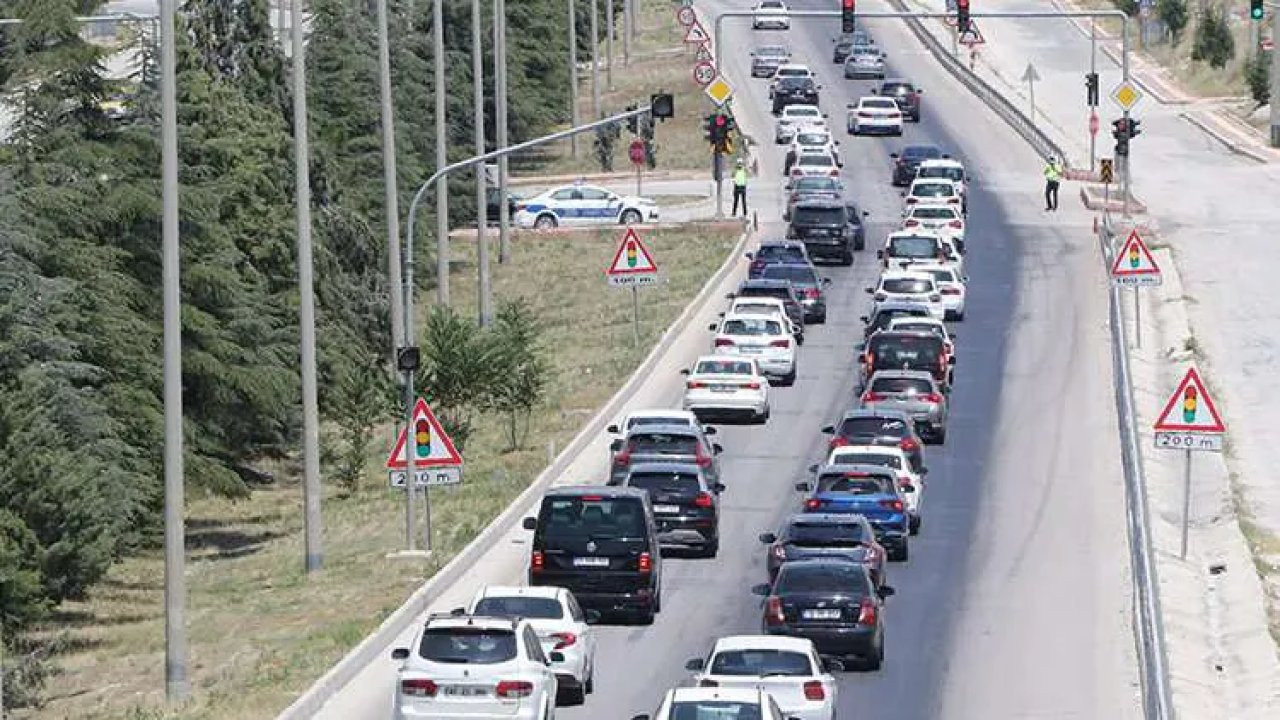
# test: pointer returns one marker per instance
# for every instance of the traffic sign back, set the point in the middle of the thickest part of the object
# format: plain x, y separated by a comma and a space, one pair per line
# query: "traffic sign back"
632, 264
432, 445
686, 16
972, 36
1190, 409
1133, 264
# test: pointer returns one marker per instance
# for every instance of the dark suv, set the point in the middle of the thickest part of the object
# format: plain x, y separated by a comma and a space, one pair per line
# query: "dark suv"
781, 289
775, 251
794, 91
602, 544
686, 505
906, 94
906, 163
828, 228
907, 350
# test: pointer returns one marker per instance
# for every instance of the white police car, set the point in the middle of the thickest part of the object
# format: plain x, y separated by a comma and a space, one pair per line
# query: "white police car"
580, 204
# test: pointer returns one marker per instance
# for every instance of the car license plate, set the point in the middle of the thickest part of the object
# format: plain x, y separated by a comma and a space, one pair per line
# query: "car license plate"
722, 388
821, 614
591, 562
751, 350
465, 690
668, 509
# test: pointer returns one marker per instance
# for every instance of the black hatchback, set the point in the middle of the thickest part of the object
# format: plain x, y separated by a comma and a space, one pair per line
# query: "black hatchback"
686, 505
907, 161
794, 91
602, 544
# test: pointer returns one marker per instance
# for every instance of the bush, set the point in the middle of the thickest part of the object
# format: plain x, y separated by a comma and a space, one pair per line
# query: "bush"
1128, 7
457, 370
520, 380
1214, 43
1257, 72
1173, 13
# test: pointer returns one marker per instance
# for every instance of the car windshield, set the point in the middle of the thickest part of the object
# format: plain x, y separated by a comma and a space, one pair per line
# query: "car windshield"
806, 138
771, 51
541, 608
796, 82
803, 112
914, 246
668, 481
779, 253
933, 212
949, 173
724, 367
781, 292
917, 326
814, 184
880, 104
771, 5
714, 710
920, 153
904, 385
804, 577
867, 458
757, 309
797, 274
591, 516
817, 216
896, 89
907, 286
823, 534
866, 55
933, 189
877, 426
656, 420
468, 645
894, 350
761, 662
662, 443
786, 72
854, 484
751, 326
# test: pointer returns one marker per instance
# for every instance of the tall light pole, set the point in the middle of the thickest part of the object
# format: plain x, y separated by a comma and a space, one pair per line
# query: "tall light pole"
595, 59
391, 198
500, 109
573, 76
176, 683
1275, 77
442, 159
306, 300
477, 95
608, 21
627, 20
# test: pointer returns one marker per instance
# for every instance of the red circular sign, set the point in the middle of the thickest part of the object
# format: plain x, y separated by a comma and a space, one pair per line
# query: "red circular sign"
636, 151
1093, 123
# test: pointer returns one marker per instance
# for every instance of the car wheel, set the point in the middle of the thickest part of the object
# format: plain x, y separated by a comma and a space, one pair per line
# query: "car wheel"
860, 243
877, 659
940, 437
901, 554
590, 684
545, 222
710, 550
631, 217
847, 258
958, 316
915, 524
574, 696
821, 319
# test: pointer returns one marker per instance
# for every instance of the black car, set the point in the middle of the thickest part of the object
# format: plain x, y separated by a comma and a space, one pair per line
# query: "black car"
908, 350
805, 535
781, 289
794, 91
804, 278
493, 203
830, 229
906, 162
775, 251
842, 49
875, 426
885, 312
685, 505
602, 544
905, 93
831, 601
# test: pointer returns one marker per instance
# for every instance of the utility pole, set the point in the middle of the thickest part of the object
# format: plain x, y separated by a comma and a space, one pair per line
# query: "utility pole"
1275, 79
306, 301
177, 684
627, 21
391, 199
595, 59
608, 51
282, 14
442, 159
1093, 71
500, 108
573, 76
477, 87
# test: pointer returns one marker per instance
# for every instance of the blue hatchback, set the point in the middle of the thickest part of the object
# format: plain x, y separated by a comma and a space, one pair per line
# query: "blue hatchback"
868, 490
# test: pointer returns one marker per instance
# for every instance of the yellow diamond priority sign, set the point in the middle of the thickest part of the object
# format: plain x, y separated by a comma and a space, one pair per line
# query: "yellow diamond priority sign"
1126, 95
719, 91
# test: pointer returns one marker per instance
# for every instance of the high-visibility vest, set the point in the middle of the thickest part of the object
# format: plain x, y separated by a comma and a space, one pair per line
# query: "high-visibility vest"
1052, 172
740, 177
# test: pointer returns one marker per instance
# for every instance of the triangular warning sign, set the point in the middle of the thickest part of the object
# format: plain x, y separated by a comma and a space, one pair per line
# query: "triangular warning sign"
972, 36
432, 446
696, 34
1190, 409
703, 53
1134, 258
632, 257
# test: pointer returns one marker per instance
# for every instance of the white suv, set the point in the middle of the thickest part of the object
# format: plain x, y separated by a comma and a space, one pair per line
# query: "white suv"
763, 337
788, 668
474, 666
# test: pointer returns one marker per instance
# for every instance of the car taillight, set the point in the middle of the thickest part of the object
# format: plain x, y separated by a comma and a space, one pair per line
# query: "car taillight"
867, 612
894, 505
950, 291
773, 611
865, 115
722, 342
880, 297
811, 293
910, 223
537, 562
872, 397
837, 441
796, 171
708, 683
956, 224
813, 691
623, 456
895, 116
780, 343
645, 563
695, 384
953, 200
753, 385
563, 640
703, 500
812, 504
908, 444
514, 689
911, 201
934, 398
418, 687
835, 172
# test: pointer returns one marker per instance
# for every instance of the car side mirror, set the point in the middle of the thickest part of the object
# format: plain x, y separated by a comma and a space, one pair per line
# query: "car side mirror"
866, 213
768, 538
400, 654
869, 290
875, 91
713, 326
886, 591
829, 429
718, 487
762, 589
864, 319
458, 611
831, 665
730, 296
709, 430
556, 656
530, 523
924, 471
804, 486
612, 429
718, 449
880, 254
826, 281
893, 155
812, 468
694, 664
640, 717
616, 445
684, 371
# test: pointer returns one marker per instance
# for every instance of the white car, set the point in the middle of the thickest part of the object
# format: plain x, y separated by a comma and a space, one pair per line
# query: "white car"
933, 192
926, 324
710, 703
579, 205
952, 284
946, 220
727, 385
946, 168
814, 165
767, 306
794, 118
763, 337
874, 114
788, 668
814, 139
561, 626
894, 457
907, 246
908, 286
465, 666
770, 15
787, 70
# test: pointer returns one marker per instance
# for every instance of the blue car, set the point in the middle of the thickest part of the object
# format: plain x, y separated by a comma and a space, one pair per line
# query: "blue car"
868, 490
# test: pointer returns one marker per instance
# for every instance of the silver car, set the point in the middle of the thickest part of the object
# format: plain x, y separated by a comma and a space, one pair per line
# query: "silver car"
766, 59
664, 443
914, 392
868, 63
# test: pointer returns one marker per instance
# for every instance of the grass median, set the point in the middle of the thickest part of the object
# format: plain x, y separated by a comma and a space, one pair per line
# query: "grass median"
261, 631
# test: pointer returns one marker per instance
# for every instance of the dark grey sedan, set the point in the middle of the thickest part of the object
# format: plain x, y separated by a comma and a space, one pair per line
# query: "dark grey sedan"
804, 277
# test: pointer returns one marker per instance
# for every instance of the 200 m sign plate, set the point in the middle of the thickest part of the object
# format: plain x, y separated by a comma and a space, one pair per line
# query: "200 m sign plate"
1207, 442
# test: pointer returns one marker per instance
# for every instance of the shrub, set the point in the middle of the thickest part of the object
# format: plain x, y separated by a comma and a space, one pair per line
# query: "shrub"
1214, 43
1173, 13
1257, 72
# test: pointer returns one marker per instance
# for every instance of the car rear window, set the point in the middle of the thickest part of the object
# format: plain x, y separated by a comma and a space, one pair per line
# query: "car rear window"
817, 577
854, 484
761, 662
541, 608
771, 51
782, 293
950, 173
910, 386
668, 481
817, 216
854, 427
929, 212
662, 443
896, 88
797, 274
813, 534
921, 153
868, 458
468, 645
933, 189
816, 183
752, 326
918, 326
714, 710
879, 104
591, 517
813, 138
655, 420
756, 309
780, 253
725, 367
890, 350
907, 285
915, 246
815, 160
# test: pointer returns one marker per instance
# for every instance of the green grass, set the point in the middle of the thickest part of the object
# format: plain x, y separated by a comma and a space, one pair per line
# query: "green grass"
261, 631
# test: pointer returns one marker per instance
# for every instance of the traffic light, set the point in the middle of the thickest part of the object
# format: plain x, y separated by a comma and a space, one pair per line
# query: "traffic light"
847, 20
1120, 131
422, 439
1190, 399
662, 106
1255, 9
1091, 88
962, 15
633, 122
1133, 127
716, 129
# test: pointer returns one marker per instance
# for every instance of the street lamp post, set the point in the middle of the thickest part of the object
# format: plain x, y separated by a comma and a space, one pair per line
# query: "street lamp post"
391, 199
442, 159
477, 95
500, 110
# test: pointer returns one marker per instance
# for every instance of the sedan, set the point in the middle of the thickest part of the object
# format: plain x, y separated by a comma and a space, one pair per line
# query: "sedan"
933, 192
812, 188
874, 115
906, 94
770, 15
795, 117
915, 393
912, 246
906, 162
951, 284
794, 91
727, 386
946, 220
815, 165
775, 251
926, 324
907, 286
910, 482
806, 535
714, 703
761, 337
789, 669
578, 205
868, 490
864, 63
766, 59
686, 506
831, 602
885, 313
804, 277
768, 306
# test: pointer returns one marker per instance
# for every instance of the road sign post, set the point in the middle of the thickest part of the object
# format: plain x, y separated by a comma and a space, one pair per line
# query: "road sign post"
1189, 422
1134, 267
425, 452
1031, 77
633, 265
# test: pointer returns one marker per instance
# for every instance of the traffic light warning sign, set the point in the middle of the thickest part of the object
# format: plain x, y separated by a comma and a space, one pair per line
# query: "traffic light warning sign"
1133, 264
632, 264
1190, 409
432, 446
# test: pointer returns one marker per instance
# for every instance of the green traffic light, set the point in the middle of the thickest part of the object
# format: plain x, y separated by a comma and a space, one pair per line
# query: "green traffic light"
1256, 11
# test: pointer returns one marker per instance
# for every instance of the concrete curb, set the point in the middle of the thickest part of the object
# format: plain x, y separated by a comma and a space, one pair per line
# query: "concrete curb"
1232, 145
526, 180
373, 645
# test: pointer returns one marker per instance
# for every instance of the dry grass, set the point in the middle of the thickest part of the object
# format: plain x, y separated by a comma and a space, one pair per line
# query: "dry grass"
260, 630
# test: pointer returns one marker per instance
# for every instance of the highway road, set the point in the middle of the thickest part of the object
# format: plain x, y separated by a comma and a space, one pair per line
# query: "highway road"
1015, 603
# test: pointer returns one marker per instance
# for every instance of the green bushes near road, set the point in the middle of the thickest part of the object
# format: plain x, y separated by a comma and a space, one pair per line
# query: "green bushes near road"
1213, 43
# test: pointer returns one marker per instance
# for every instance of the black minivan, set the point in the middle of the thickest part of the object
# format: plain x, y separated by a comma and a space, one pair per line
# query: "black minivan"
602, 544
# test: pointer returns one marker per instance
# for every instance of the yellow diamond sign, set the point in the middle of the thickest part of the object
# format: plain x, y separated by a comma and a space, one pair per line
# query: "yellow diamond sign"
1126, 95
719, 91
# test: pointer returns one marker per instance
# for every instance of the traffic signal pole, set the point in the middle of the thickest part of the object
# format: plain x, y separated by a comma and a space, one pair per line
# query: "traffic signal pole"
1275, 79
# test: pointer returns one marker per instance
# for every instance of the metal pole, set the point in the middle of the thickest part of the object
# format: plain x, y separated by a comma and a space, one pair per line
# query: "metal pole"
177, 685
717, 172
1124, 70
477, 96
1137, 319
442, 159
410, 450
1275, 79
639, 173
573, 76
391, 199
1186, 504
306, 300
595, 59
500, 108
1093, 69
635, 315
627, 22
609, 23
282, 13
1031, 90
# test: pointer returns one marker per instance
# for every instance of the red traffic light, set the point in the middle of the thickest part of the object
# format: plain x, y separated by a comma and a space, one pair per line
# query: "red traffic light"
848, 4
962, 4
721, 120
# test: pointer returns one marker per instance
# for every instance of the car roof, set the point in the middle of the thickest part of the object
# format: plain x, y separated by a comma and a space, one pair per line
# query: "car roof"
774, 302
899, 305
483, 621
930, 181
913, 233
930, 321
717, 693
930, 267
764, 283
864, 468
920, 149
750, 316
794, 66
819, 202
832, 518
770, 642
896, 81
904, 275
728, 358
942, 162
610, 491
790, 108
910, 374
781, 243
879, 98
666, 467
656, 413
542, 591
865, 449
908, 333
876, 412
666, 429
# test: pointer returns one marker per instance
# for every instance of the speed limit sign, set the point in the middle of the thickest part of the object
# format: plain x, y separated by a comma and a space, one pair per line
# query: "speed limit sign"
686, 15
704, 73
